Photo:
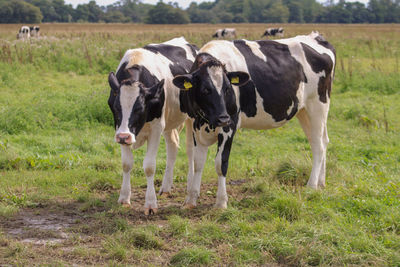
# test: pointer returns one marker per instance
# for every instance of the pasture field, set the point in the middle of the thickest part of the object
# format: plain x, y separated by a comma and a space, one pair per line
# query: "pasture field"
60, 170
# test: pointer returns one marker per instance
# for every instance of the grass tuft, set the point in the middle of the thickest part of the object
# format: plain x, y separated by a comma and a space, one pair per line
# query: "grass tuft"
192, 257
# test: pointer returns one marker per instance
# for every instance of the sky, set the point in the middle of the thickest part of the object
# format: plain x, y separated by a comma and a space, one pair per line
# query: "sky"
182, 3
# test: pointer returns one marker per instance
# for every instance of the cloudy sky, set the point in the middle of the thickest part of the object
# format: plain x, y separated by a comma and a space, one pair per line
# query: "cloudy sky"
182, 3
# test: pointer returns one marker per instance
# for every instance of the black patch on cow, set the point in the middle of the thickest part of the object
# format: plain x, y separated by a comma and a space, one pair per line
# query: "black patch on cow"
321, 41
248, 99
226, 149
194, 49
276, 80
320, 62
177, 55
194, 140
155, 104
207, 129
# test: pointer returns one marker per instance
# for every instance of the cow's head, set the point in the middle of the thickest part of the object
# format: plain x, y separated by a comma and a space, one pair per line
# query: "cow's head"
210, 91
131, 102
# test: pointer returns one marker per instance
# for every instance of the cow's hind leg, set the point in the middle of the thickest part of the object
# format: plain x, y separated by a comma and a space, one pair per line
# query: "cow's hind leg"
322, 174
172, 145
313, 121
127, 163
221, 166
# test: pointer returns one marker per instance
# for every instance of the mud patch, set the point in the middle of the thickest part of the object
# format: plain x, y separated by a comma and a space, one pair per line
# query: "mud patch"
39, 227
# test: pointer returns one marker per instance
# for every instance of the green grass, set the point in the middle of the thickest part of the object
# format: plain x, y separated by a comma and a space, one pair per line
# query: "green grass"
58, 161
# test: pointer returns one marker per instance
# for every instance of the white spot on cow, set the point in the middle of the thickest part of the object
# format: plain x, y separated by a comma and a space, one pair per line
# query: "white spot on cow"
255, 48
216, 75
290, 109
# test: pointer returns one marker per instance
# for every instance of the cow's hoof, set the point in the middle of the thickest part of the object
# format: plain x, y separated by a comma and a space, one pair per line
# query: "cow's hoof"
188, 206
220, 206
124, 202
126, 205
313, 186
150, 211
165, 194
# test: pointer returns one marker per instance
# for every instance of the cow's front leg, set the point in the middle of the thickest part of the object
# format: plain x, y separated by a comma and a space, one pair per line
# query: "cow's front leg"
127, 163
193, 186
221, 165
149, 166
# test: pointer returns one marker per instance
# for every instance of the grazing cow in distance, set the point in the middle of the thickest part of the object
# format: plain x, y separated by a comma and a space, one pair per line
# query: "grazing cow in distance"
257, 85
24, 33
145, 104
225, 33
34, 31
273, 32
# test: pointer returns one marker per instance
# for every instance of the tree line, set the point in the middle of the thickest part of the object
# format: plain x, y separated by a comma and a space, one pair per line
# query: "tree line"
218, 11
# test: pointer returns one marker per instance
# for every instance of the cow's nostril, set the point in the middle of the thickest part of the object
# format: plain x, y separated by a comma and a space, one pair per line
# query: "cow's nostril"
223, 120
124, 139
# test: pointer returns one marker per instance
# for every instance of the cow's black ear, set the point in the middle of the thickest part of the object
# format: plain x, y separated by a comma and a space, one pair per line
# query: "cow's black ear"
238, 77
113, 81
155, 92
184, 82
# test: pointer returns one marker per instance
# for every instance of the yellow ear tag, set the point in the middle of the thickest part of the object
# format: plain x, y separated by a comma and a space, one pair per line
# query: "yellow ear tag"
187, 85
235, 80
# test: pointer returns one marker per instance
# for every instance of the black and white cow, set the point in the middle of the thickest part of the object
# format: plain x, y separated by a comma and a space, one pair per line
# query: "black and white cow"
24, 33
273, 32
34, 31
145, 104
225, 33
273, 82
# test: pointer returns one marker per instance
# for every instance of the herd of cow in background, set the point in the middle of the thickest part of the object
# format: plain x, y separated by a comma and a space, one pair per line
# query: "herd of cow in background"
26, 32
230, 33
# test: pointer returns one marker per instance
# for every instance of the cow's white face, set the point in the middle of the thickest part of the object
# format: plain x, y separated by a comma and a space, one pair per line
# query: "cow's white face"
132, 104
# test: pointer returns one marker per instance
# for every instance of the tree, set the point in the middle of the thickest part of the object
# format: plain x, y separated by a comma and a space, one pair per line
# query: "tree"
359, 13
198, 15
166, 14
276, 13
17, 11
95, 12
295, 12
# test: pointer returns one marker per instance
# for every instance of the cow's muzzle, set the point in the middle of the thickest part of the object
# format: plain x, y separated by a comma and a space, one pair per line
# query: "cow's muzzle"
124, 139
223, 120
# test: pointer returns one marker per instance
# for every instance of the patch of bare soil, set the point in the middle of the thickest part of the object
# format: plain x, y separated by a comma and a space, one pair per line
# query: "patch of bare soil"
55, 230
39, 226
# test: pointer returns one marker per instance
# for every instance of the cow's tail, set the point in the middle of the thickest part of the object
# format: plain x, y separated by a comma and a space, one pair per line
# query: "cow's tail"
175, 135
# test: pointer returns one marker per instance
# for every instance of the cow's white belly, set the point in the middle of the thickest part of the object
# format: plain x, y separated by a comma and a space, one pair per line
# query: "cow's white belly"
262, 120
